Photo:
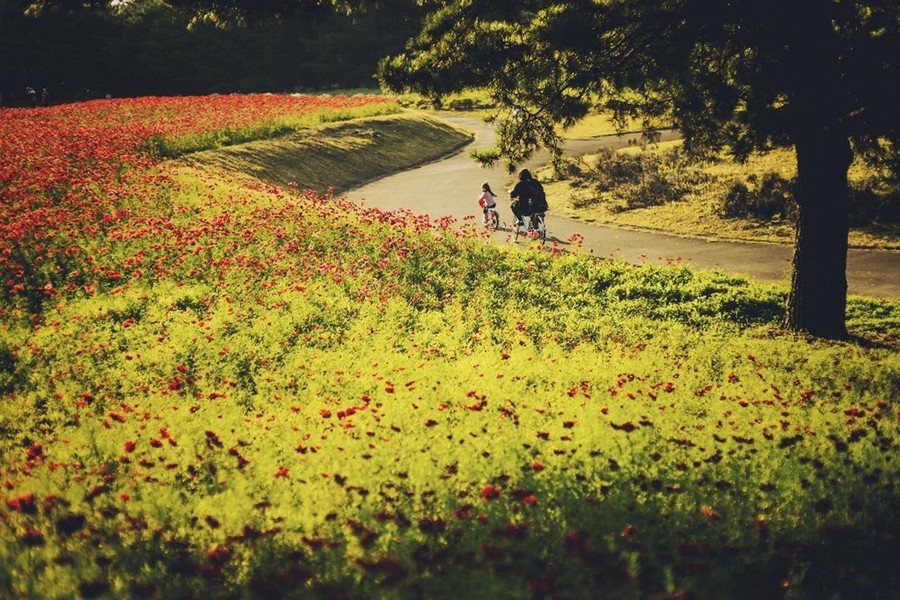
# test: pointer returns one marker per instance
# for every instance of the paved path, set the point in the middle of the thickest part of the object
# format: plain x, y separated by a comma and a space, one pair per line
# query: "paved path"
450, 187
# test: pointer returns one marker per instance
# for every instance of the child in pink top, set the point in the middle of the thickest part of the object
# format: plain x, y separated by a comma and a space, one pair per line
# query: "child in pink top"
486, 201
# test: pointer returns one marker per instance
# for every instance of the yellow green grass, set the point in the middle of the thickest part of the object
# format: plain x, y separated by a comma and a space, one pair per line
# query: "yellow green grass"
196, 142
340, 156
475, 101
280, 394
481, 102
601, 124
698, 214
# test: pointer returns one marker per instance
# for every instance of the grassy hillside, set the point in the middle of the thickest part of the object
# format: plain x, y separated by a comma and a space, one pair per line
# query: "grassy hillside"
341, 155
304, 399
214, 387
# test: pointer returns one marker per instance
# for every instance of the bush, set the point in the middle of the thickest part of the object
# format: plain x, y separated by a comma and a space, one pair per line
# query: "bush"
463, 104
872, 202
773, 196
636, 181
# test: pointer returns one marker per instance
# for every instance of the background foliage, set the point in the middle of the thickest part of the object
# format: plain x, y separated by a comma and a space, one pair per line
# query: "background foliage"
155, 47
658, 187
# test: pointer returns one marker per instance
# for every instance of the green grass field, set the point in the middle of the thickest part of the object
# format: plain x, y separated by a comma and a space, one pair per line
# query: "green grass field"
258, 392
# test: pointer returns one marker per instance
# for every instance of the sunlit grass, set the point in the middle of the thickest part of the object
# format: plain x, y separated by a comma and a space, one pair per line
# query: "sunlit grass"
602, 124
340, 156
478, 102
253, 392
698, 214
266, 130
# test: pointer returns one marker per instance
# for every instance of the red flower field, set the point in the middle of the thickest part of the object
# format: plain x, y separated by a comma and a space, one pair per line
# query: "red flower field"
215, 387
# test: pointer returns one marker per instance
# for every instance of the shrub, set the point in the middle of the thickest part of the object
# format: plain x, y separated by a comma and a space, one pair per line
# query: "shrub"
873, 202
772, 196
633, 181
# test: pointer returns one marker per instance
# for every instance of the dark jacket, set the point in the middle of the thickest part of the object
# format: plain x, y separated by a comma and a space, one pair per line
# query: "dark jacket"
525, 197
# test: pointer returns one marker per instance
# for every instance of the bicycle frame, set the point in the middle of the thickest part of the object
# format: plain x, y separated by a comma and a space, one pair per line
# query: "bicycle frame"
493, 217
537, 224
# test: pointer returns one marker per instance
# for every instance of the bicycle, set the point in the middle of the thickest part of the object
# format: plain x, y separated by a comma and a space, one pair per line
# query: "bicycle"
537, 225
493, 218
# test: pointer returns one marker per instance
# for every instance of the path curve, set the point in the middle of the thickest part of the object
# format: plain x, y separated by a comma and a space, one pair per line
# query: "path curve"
450, 187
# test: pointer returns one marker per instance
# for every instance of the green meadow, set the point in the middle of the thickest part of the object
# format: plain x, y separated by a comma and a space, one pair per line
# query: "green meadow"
281, 394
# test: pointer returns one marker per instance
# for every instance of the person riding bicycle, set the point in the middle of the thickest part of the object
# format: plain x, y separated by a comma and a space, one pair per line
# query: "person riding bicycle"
486, 202
528, 198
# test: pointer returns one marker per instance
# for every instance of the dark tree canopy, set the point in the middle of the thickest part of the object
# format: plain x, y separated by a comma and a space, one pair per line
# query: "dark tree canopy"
743, 74
85, 49
740, 74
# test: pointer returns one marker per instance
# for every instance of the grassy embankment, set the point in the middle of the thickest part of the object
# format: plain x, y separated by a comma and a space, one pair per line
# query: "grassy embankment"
342, 155
257, 393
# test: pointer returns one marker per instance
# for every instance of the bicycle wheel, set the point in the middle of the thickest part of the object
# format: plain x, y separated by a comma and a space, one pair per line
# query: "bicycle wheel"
541, 227
495, 219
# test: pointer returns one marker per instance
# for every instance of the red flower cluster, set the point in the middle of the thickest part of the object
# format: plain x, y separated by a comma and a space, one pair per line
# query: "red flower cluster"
66, 173
490, 492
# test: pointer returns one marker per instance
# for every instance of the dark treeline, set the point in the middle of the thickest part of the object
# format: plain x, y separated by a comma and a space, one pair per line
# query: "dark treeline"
81, 50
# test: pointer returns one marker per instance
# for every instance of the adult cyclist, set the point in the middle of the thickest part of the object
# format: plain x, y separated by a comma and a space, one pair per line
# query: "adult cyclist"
528, 198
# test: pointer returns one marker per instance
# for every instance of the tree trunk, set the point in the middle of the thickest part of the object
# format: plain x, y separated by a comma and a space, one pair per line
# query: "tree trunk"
818, 298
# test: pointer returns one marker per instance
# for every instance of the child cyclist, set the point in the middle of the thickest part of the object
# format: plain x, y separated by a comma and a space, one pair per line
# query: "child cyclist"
487, 202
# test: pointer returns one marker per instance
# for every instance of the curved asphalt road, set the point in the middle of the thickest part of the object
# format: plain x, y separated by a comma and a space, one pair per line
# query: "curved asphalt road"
451, 186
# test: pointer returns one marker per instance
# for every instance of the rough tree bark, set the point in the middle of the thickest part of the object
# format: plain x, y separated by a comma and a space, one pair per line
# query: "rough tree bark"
818, 298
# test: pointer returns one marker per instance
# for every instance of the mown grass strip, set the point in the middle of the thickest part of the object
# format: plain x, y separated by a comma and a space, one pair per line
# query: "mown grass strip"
340, 156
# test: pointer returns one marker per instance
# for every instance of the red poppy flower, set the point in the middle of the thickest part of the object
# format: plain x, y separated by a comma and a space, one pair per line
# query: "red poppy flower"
490, 492
24, 503
710, 513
